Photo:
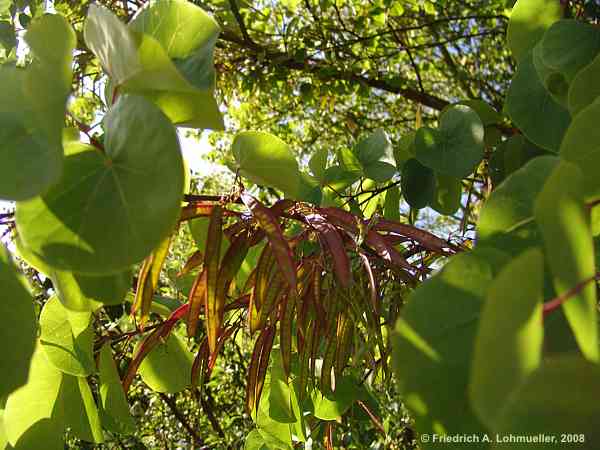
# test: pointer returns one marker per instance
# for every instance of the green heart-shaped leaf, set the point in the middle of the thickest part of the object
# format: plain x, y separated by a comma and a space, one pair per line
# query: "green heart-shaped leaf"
581, 146
32, 108
529, 20
266, 160
561, 214
417, 183
585, 87
456, 147
168, 367
433, 342
140, 63
375, 147
34, 403
561, 395
50, 402
570, 45
112, 208
513, 310
533, 109
67, 339
114, 409
511, 204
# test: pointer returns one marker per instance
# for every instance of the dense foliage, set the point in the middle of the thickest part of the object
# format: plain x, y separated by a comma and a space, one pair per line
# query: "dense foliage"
397, 251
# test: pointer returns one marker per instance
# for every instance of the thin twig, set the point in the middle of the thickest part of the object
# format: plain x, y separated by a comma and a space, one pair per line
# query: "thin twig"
197, 440
555, 303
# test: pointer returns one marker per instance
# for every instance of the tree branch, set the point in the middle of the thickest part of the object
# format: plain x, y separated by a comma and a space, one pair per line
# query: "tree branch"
197, 440
315, 67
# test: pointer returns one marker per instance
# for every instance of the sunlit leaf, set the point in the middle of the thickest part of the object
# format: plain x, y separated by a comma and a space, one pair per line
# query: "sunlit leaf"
433, 343
561, 395
131, 192
114, 409
32, 112
456, 147
67, 338
141, 63
562, 216
168, 366
266, 160
512, 311
532, 108
529, 21
581, 146
17, 337
511, 204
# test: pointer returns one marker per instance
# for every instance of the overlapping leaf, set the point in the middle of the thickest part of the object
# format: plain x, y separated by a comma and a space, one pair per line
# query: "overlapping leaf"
114, 409
560, 395
127, 198
511, 204
508, 347
456, 147
581, 146
529, 21
533, 109
50, 402
79, 292
561, 214
434, 340
32, 111
142, 58
17, 337
168, 366
67, 338
266, 160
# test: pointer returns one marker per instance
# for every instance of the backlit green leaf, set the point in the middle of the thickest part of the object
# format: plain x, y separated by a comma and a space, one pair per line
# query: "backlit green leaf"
29, 410
167, 368
17, 336
562, 216
510, 334
131, 192
254, 441
67, 338
561, 395
570, 45
581, 146
318, 163
114, 409
529, 21
585, 87
456, 147
79, 409
32, 108
266, 160
375, 147
532, 108
433, 342
333, 405
511, 204
405, 149
142, 63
